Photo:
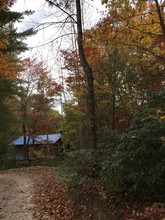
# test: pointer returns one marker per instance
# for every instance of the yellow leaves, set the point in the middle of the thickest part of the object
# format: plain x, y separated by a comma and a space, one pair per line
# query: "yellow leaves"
138, 25
162, 138
162, 118
147, 41
158, 114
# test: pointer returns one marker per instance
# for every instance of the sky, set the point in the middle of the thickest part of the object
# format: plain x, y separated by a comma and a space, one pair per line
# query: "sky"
47, 43
43, 13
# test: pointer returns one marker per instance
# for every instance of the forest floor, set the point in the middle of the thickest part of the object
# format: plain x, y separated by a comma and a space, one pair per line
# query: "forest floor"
35, 193
40, 193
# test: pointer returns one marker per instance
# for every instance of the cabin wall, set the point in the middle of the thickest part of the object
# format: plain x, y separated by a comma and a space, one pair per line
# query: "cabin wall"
21, 152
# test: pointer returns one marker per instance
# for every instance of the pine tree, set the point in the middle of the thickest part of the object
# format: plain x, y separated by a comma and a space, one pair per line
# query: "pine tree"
11, 45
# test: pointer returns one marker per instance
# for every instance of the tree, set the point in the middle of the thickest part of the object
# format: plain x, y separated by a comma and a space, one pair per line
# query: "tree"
149, 16
88, 72
38, 91
76, 85
138, 160
6, 4
11, 44
124, 72
63, 5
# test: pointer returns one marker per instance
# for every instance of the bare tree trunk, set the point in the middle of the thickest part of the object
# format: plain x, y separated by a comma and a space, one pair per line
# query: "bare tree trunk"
88, 72
25, 144
114, 89
161, 19
87, 69
113, 107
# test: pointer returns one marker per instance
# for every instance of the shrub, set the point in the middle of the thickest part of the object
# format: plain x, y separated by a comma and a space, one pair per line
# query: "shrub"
138, 162
79, 161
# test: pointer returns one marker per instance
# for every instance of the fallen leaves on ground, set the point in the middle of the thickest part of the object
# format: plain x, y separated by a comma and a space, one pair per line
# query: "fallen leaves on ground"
51, 199
50, 195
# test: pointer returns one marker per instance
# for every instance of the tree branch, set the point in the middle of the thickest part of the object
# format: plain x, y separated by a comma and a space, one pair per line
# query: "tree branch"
41, 45
57, 5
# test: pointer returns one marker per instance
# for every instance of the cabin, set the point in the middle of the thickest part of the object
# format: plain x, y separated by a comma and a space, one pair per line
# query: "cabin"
39, 146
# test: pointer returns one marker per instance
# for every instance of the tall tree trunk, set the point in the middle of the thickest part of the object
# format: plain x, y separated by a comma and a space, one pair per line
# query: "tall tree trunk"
113, 107
114, 89
25, 144
87, 69
88, 72
161, 18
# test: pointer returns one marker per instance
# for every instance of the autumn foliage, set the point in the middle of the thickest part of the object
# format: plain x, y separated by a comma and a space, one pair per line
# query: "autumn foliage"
38, 92
126, 52
125, 174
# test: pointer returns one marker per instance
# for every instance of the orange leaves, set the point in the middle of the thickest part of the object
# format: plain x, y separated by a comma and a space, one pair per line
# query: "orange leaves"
5, 4
8, 62
51, 197
3, 41
136, 25
39, 92
8, 66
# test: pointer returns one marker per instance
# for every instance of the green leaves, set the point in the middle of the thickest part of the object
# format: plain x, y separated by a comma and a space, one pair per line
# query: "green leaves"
139, 158
104, 1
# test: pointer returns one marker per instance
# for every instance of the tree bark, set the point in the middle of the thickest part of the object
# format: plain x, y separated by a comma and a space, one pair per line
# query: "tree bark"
86, 67
114, 89
161, 19
25, 144
88, 72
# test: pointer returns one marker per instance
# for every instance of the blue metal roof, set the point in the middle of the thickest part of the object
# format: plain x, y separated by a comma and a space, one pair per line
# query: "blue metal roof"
39, 139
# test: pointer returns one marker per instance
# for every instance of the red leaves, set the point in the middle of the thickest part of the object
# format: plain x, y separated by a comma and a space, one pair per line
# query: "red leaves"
71, 60
39, 92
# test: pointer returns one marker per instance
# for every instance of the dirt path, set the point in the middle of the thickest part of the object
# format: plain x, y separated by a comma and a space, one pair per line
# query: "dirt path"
15, 197
35, 193
40, 193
